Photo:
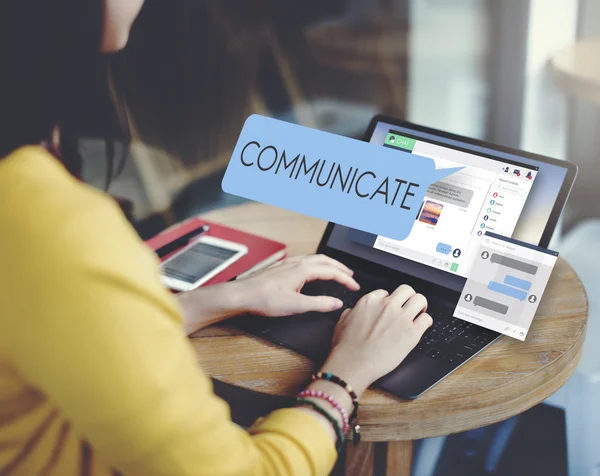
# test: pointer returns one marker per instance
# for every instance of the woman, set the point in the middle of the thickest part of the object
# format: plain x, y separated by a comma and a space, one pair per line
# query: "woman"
96, 374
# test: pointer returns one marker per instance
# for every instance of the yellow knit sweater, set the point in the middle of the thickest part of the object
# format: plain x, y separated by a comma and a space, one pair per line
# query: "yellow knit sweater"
96, 374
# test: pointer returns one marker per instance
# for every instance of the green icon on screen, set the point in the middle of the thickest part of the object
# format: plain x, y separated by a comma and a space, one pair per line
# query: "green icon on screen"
400, 141
454, 267
489, 210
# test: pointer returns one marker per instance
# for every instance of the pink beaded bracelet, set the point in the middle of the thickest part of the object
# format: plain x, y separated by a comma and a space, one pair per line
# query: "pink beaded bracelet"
332, 401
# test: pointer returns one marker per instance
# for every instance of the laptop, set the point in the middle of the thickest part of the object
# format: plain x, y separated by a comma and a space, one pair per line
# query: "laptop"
506, 191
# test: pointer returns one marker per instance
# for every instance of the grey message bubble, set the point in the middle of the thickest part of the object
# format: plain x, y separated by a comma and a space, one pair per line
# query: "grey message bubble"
450, 193
491, 305
513, 263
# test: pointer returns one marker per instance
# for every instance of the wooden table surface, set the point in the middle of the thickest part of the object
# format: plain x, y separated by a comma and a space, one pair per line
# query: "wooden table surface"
504, 380
577, 69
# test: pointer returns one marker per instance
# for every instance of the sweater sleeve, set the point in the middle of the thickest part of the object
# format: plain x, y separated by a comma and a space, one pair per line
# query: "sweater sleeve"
103, 340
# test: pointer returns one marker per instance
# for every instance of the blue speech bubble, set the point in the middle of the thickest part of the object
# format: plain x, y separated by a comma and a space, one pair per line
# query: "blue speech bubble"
517, 282
443, 248
507, 290
364, 186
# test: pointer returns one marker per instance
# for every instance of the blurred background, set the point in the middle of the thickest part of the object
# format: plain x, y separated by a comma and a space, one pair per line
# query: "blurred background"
521, 73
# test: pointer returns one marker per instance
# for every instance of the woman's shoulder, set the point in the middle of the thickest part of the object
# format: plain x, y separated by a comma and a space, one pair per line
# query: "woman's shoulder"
36, 191
32, 178
42, 205
65, 245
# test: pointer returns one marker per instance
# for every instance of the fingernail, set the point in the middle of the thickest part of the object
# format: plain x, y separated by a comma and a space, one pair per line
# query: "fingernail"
337, 304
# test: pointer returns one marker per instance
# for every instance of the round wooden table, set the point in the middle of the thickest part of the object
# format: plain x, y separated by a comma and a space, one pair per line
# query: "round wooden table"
503, 381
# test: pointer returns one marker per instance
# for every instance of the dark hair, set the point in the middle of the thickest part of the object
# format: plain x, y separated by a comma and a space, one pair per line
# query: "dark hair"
53, 74
188, 73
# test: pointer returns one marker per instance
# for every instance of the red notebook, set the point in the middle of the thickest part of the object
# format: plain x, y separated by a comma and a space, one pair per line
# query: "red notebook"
262, 252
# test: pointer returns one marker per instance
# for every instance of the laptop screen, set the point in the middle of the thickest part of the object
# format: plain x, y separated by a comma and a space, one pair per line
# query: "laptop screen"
500, 192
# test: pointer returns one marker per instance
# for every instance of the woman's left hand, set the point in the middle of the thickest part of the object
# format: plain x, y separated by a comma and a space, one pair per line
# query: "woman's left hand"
275, 291
272, 292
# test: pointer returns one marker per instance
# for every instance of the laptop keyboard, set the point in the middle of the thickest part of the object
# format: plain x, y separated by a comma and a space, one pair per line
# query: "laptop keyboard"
449, 339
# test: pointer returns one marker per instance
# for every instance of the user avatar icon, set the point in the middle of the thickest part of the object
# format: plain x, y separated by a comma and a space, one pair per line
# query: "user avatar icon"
479, 233
489, 210
468, 298
392, 139
532, 299
485, 255
482, 225
492, 202
456, 253
495, 194
486, 218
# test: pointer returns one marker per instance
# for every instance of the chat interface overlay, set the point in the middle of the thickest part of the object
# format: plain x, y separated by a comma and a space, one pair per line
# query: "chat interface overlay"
506, 284
486, 195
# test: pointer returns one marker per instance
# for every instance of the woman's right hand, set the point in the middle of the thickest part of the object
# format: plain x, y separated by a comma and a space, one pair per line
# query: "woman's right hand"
372, 339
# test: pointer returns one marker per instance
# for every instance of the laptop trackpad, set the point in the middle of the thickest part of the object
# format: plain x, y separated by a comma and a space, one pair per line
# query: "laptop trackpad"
308, 334
415, 374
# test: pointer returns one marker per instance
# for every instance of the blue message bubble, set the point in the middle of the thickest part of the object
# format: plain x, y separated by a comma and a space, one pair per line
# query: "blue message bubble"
517, 282
443, 248
507, 290
346, 181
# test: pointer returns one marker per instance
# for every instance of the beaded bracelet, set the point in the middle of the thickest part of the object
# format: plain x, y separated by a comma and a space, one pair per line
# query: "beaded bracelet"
354, 417
332, 420
338, 381
332, 401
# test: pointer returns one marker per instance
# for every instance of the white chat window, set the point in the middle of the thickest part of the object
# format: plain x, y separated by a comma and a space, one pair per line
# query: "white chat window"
505, 285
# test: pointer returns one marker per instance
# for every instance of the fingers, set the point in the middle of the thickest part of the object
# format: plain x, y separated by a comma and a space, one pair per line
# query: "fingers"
374, 297
326, 272
415, 305
423, 322
397, 300
315, 303
378, 293
323, 259
402, 294
321, 267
